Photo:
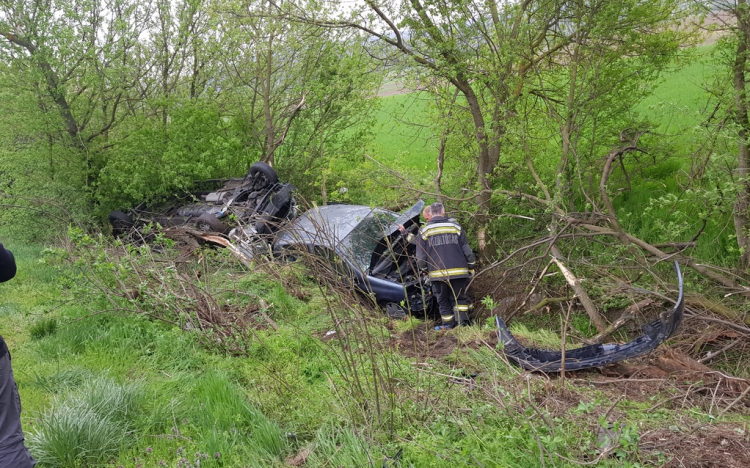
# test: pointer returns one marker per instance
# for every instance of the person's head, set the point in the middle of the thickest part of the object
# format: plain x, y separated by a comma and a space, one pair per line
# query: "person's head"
427, 213
437, 209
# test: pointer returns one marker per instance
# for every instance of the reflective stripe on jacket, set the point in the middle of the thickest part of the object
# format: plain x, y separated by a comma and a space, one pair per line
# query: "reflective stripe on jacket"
442, 250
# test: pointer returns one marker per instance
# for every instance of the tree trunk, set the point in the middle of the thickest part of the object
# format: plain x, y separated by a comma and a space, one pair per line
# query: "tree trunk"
485, 168
267, 104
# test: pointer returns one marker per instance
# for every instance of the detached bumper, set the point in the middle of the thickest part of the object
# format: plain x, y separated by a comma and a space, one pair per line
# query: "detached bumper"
654, 333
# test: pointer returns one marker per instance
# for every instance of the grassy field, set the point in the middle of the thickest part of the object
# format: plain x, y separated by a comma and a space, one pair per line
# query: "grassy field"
661, 185
315, 380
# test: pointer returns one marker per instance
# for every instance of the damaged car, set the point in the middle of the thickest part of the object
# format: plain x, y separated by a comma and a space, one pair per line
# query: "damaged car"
246, 208
653, 334
363, 246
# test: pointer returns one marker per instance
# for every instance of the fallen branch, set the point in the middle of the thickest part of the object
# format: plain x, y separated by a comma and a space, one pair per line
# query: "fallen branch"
715, 307
626, 316
726, 348
739, 398
580, 293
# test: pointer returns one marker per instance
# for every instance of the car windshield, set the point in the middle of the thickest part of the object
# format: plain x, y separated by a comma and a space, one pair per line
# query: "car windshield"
361, 242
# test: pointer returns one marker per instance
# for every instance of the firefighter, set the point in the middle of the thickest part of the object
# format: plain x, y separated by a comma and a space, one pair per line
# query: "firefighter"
13, 453
444, 253
410, 238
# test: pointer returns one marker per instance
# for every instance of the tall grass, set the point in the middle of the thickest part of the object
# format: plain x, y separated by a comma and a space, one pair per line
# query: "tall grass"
88, 425
340, 446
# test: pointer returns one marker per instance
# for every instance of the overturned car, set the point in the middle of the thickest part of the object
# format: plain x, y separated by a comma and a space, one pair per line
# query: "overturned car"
364, 247
250, 206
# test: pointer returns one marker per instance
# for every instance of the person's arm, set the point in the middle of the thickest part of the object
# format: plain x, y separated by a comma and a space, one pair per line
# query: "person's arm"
421, 254
468, 253
7, 264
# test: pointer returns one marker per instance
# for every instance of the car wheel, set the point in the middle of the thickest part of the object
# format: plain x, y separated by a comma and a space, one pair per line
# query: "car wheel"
395, 311
121, 223
208, 222
264, 169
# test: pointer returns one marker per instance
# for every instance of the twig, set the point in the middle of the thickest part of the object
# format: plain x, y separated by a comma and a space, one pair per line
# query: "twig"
735, 401
713, 396
726, 348
688, 393
606, 415
562, 343
606, 382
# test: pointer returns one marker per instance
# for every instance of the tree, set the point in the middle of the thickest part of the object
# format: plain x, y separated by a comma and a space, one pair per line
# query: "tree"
488, 52
304, 92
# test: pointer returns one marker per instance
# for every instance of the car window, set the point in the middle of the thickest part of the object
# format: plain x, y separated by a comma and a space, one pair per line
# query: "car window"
361, 242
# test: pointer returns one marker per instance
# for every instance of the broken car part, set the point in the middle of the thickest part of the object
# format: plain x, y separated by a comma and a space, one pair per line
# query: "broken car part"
257, 202
654, 333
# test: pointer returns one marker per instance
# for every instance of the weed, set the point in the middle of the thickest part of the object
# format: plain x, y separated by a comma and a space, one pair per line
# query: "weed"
43, 327
411, 323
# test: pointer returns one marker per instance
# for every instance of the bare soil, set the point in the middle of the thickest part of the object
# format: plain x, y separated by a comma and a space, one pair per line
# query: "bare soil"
424, 342
703, 446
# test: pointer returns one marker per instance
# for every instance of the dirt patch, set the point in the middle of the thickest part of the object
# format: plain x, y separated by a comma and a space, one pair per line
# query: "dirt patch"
424, 341
301, 457
705, 447
694, 383
393, 88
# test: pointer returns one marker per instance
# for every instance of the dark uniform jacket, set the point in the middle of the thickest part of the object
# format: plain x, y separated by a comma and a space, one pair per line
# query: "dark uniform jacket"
442, 250
7, 271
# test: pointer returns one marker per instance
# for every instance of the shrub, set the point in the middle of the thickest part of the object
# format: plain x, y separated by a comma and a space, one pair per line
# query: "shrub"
84, 427
42, 328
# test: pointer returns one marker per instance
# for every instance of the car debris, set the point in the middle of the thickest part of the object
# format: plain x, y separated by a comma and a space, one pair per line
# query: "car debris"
597, 355
245, 208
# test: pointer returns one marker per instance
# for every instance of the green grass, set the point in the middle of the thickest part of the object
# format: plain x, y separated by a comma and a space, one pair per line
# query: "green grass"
404, 135
107, 389
678, 102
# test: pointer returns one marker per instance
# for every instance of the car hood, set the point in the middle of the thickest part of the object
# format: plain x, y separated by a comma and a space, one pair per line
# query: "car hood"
407, 218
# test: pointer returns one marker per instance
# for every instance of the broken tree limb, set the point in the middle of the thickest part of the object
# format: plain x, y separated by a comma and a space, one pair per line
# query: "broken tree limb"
580, 293
606, 172
683, 260
717, 308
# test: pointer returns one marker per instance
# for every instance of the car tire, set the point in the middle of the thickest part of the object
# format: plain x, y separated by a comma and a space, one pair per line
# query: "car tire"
264, 169
121, 223
209, 222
